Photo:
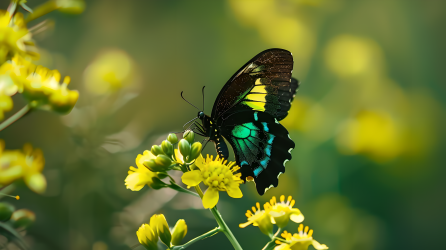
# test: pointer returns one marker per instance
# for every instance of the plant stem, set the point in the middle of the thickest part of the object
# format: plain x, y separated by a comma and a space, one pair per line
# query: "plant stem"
201, 237
178, 188
15, 117
272, 243
224, 228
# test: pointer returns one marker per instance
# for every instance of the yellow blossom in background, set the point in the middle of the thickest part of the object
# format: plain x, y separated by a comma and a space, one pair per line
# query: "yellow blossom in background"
15, 37
42, 88
260, 218
5, 105
348, 55
27, 164
300, 241
216, 174
110, 71
71, 6
138, 177
278, 26
283, 211
373, 133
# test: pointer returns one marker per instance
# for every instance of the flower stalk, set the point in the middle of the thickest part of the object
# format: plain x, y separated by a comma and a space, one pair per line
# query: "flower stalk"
201, 237
15, 117
224, 228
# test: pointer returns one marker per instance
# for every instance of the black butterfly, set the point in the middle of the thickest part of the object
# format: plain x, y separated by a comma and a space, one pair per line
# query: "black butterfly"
246, 114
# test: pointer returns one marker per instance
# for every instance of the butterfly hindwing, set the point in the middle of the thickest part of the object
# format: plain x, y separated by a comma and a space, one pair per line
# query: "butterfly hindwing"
261, 146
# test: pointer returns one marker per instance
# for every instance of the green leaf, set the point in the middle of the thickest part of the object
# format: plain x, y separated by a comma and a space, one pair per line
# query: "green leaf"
11, 234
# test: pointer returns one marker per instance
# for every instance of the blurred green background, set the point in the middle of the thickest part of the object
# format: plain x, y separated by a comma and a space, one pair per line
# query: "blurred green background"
368, 120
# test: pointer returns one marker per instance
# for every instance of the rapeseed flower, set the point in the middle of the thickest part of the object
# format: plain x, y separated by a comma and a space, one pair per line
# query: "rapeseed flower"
300, 241
15, 37
260, 218
27, 164
5, 105
283, 211
138, 177
217, 175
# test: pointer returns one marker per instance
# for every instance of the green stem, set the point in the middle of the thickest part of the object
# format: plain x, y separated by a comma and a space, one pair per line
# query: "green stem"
272, 243
15, 117
201, 237
178, 188
224, 228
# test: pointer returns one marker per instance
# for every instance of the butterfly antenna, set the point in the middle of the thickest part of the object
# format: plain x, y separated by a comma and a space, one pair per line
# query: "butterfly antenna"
188, 101
202, 91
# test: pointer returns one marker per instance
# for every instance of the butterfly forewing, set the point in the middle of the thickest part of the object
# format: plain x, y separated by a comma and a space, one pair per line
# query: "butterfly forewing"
262, 84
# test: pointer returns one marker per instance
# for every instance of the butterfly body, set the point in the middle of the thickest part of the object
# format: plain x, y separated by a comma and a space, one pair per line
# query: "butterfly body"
247, 114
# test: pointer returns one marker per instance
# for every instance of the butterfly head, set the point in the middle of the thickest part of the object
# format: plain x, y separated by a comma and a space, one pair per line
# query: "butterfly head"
200, 115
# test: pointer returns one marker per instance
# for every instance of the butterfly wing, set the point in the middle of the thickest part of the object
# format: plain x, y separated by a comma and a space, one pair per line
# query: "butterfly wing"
261, 146
263, 84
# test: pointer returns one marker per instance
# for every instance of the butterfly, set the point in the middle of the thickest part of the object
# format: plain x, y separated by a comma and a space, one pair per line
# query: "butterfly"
246, 114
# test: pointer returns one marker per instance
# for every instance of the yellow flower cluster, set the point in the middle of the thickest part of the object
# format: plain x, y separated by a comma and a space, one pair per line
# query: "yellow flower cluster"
27, 164
41, 86
274, 212
15, 38
139, 177
280, 213
148, 234
299, 241
218, 175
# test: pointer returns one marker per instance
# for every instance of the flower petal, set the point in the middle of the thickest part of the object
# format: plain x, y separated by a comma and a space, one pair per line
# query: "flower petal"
234, 192
199, 162
297, 216
210, 198
178, 156
318, 245
36, 182
192, 178
133, 181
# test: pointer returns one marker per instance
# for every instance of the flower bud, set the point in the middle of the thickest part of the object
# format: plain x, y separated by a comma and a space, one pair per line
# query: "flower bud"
189, 135
172, 138
156, 150
164, 161
6, 211
184, 148
178, 232
167, 147
162, 175
153, 166
156, 183
195, 151
147, 236
163, 229
23, 218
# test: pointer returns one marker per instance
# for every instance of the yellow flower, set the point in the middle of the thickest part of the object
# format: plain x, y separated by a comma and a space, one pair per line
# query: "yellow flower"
163, 229
110, 71
15, 37
15, 164
41, 86
300, 241
216, 174
5, 105
260, 218
373, 133
147, 235
139, 177
283, 211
